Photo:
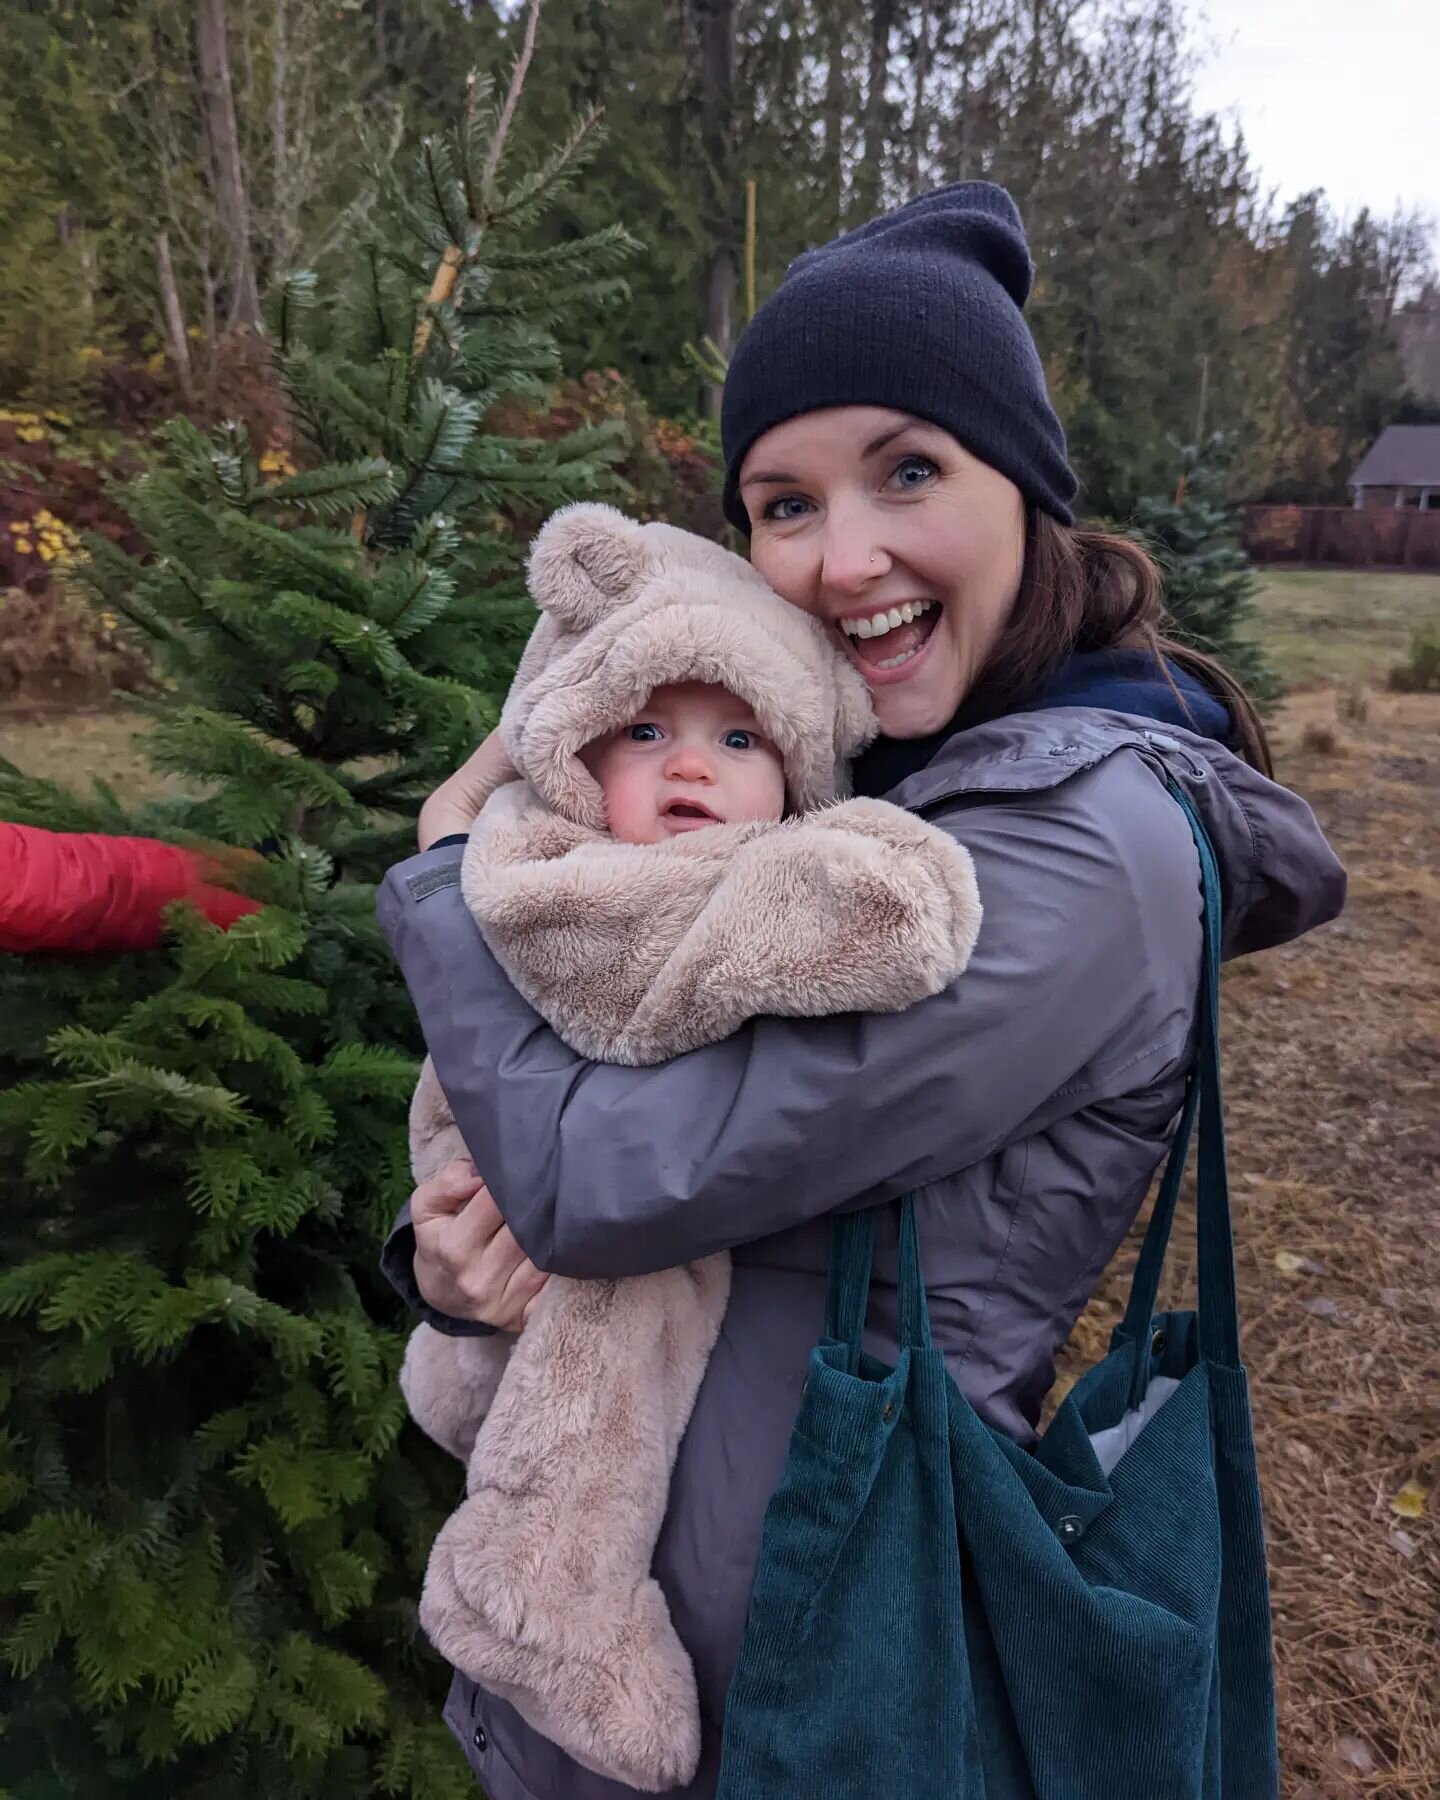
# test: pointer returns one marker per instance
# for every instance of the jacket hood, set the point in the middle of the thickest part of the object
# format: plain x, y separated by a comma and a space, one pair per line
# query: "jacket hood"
1279, 876
627, 608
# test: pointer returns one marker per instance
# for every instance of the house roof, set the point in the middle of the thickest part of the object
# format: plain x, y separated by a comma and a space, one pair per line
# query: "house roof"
1402, 456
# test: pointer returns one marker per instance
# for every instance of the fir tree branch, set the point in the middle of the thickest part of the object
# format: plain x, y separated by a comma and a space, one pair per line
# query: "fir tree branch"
507, 112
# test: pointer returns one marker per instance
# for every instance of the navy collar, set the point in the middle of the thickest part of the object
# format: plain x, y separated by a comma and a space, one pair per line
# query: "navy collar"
1123, 681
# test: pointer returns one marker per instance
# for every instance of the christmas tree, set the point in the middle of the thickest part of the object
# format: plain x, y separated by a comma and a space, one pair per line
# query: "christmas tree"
1210, 586
213, 1518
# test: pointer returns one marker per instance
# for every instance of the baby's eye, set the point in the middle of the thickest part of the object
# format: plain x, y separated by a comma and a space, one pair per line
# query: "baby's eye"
914, 471
739, 740
643, 733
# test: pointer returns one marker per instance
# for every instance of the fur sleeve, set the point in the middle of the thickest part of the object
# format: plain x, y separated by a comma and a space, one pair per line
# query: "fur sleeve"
636, 954
449, 1383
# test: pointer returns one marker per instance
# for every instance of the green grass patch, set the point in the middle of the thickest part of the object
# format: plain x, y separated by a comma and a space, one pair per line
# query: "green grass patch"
1340, 625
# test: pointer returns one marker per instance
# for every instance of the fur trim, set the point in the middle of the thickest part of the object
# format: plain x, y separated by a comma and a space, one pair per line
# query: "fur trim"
539, 1587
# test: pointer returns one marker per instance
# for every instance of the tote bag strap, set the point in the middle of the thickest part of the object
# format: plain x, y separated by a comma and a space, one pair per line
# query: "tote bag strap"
1217, 1310
852, 1249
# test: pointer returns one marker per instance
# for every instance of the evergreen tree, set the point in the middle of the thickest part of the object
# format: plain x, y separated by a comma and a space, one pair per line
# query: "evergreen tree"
213, 1520
1210, 587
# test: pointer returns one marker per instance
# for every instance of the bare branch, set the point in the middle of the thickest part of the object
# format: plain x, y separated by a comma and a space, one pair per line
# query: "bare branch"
512, 100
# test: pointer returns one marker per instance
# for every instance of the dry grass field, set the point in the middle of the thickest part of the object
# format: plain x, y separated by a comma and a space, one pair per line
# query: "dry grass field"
1320, 625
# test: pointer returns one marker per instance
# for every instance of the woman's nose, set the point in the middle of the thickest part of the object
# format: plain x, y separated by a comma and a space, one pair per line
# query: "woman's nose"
689, 762
851, 559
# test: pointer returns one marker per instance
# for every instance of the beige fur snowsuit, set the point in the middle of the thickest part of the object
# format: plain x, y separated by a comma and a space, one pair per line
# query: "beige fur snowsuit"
539, 1587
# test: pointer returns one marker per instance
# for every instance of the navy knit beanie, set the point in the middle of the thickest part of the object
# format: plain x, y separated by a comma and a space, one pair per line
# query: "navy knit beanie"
920, 310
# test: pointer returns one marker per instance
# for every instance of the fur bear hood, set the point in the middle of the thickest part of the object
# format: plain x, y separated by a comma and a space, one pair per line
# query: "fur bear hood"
627, 608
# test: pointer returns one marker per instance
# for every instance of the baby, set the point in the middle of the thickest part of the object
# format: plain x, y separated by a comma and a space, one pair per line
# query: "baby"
696, 757
666, 861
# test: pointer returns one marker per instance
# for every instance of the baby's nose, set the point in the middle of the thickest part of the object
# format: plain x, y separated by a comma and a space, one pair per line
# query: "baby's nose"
690, 762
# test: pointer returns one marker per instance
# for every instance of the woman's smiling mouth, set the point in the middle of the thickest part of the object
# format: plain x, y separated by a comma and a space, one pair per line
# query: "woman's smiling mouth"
884, 641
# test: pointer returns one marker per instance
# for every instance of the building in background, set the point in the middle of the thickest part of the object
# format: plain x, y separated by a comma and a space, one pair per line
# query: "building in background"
1401, 468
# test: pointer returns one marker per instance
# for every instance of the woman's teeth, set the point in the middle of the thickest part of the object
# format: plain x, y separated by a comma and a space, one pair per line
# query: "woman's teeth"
877, 624
880, 625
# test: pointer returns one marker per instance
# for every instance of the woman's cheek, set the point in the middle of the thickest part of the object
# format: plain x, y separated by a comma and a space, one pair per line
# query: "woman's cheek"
783, 566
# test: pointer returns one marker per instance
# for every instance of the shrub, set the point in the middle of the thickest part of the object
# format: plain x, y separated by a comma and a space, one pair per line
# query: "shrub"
1420, 672
1321, 740
666, 469
1354, 704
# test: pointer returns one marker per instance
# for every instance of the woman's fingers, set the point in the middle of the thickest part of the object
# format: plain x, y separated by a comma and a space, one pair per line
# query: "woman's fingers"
521, 1288
497, 1281
474, 1229
456, 802
445, 1193
467, 1262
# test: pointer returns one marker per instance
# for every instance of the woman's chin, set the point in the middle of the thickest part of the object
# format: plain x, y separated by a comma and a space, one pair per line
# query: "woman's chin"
918, 708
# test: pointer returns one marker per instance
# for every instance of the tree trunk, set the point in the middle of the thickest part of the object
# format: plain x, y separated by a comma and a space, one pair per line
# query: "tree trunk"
715, 20
174, 315
834, 120
212, 338
919, 121
870, 176
213, 49
89, 277
280, 132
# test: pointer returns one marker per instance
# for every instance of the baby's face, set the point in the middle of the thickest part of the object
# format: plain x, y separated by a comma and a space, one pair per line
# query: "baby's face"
693, 757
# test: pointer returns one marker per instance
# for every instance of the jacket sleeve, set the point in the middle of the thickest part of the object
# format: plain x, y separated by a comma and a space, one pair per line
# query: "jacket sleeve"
1081, 987
86, 891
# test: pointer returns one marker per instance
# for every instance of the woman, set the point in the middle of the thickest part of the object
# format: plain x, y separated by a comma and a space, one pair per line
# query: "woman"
892, 454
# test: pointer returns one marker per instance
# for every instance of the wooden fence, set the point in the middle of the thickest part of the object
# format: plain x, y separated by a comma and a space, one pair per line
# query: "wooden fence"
1355, 537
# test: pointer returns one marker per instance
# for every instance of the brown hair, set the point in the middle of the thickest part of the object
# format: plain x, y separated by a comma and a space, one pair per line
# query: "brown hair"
1093, 590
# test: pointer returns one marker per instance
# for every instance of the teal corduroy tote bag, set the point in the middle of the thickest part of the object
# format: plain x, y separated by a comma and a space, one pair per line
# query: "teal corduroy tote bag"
939, 1614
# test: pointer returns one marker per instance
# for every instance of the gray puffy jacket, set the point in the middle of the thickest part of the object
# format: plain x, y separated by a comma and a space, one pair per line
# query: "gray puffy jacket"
1027, 1107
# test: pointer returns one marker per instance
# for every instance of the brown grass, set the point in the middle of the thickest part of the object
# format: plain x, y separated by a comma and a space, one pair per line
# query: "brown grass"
1333, 1071
73, 748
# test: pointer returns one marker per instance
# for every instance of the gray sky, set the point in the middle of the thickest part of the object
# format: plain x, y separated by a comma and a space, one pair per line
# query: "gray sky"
1331, 94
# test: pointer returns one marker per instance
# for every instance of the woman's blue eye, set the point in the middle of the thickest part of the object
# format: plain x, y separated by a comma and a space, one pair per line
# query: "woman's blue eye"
772, 510
910, 472
919, 467
739, 740
644, 733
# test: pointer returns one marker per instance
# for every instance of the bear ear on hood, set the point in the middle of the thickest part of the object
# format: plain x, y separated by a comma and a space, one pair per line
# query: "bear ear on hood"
585, 560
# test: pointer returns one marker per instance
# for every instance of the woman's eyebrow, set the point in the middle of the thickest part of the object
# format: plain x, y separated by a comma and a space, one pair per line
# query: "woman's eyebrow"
768, 477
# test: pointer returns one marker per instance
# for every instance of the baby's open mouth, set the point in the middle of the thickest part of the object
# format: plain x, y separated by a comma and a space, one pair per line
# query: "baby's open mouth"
886, 640
690, 812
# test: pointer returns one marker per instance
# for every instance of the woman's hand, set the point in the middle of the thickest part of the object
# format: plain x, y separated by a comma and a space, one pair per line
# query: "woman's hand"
467, 1265
456, 803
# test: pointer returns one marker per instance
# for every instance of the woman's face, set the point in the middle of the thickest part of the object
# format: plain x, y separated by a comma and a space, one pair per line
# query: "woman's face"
900, 540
